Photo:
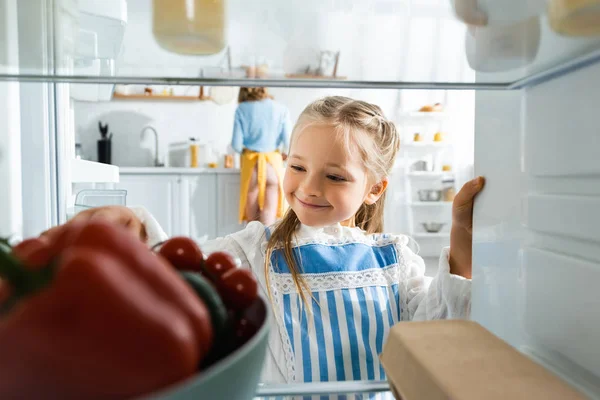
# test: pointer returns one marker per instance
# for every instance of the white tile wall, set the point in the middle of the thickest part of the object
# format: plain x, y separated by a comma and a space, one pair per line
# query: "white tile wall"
177, 121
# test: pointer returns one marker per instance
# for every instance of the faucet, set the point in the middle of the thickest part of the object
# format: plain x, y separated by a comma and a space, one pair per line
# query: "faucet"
157, 163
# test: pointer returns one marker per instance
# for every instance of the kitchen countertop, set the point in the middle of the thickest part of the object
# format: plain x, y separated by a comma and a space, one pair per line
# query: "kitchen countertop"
176, 171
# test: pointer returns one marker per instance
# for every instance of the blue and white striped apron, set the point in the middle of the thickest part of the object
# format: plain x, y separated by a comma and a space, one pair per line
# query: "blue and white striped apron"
355, 302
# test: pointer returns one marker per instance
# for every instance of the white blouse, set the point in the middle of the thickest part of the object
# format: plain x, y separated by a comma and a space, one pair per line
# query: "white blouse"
361, 285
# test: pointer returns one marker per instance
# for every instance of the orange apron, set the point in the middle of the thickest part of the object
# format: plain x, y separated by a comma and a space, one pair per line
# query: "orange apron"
249, 160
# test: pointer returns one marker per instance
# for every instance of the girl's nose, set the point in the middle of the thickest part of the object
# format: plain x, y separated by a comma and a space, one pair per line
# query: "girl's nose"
311, 186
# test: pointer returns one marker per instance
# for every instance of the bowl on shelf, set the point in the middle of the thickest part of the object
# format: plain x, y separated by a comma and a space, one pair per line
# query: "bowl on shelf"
421, 166
430, 195
433, 227
244, 365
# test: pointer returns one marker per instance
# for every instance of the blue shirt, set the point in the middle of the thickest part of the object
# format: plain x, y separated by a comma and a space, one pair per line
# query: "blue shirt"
262, 126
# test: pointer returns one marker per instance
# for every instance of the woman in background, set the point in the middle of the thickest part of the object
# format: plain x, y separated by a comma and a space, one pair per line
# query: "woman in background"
261, 134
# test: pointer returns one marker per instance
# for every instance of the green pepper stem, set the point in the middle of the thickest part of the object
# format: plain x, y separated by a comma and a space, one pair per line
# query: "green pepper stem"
22, 281
5, 242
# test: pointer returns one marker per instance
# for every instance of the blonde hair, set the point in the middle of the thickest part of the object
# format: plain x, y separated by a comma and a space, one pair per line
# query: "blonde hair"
364, 129
253, 94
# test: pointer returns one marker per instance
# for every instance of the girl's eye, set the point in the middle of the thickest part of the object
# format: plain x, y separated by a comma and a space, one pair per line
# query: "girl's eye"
297, 168
336, 178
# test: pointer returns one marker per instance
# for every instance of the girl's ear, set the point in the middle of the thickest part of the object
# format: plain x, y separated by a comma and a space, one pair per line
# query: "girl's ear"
376, 191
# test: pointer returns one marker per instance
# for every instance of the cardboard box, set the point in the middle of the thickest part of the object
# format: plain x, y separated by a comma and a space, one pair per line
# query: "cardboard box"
461, 360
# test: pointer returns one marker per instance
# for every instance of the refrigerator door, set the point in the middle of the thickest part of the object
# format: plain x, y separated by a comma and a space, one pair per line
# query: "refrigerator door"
537, 225
11, 224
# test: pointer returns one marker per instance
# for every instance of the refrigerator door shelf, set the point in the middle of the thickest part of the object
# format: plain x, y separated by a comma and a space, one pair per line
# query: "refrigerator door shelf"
83, 171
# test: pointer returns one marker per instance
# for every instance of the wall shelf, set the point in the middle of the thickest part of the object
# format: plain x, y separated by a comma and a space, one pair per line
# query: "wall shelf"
430, 203
310, 76
424, 115
426, 235
429, 175
156, 97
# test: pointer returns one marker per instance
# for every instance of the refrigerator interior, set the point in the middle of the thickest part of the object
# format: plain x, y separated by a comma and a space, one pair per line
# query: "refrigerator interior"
537, 224
536, 252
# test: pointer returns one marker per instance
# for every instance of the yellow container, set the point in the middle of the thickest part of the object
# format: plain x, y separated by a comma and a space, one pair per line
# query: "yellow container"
575, 17
194, 151
194, 27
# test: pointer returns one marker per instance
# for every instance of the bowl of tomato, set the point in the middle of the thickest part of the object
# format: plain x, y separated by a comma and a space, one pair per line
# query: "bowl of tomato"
234, 377
240, 319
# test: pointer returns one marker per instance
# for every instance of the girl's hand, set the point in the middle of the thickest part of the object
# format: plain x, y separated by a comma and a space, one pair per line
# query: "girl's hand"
462, 207
115, 214
461, 235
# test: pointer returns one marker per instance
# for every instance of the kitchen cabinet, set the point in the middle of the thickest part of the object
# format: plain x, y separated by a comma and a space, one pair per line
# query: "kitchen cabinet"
201, 205
159, 194
228, 200
200, 199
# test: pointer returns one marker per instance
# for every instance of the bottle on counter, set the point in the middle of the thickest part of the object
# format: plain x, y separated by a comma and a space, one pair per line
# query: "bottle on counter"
228, 161
194, 153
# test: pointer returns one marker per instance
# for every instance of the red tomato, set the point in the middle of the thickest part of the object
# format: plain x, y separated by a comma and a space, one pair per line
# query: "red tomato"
249, 321
238, 288
217, 264
34, 253
244, 330
183, 253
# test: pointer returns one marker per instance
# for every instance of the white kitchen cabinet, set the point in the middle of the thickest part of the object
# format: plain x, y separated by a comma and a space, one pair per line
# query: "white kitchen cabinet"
228, 200
199, 205
199, 198
159, 194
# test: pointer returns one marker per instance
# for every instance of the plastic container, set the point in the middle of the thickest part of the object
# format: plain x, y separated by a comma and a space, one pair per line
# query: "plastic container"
90, 198
194, 27
575, 17
497, 12
503, 48
98, 198
448, 190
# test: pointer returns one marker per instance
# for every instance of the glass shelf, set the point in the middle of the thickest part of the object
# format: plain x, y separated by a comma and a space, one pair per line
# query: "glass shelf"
326, 390
405, 44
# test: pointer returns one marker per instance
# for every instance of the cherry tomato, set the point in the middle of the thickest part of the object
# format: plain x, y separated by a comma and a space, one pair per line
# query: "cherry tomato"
244, 330
238, 288
217, 264
183, 253
249, 322
34, 253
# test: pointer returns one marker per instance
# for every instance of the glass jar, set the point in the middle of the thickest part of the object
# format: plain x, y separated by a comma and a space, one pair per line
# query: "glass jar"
448, 190
190, 26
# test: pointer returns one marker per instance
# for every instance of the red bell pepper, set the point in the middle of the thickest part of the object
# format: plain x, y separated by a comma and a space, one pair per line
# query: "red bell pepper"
104, 319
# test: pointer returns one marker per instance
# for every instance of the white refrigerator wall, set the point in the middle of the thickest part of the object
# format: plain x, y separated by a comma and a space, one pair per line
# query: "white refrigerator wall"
11, 222
537, 234
38, 146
